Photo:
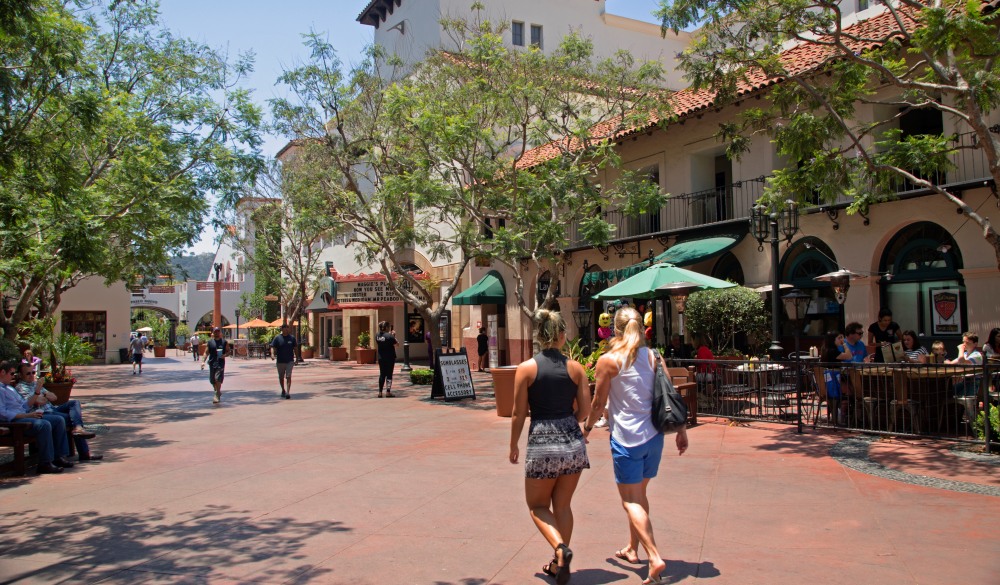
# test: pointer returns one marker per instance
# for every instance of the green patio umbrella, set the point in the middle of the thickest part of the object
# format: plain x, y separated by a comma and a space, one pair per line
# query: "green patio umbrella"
644, 284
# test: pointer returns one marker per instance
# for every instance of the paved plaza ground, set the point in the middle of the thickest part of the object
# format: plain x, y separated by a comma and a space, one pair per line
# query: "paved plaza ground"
337, 486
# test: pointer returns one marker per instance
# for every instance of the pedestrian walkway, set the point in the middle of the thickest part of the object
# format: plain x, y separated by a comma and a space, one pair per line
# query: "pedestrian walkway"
337, 486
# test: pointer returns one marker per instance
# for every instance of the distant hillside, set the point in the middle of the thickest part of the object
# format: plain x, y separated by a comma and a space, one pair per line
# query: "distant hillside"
195, 266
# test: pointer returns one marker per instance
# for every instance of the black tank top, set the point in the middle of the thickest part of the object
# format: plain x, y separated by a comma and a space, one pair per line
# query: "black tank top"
551, 394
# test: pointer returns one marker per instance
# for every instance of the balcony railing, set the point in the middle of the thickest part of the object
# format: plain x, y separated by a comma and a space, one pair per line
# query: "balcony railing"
210, 285
733, 202
162, 289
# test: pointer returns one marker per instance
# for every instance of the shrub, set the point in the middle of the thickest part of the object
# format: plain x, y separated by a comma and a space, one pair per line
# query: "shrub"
421, 376
9, 350
364, 339
337, 341
721, 314
980, 424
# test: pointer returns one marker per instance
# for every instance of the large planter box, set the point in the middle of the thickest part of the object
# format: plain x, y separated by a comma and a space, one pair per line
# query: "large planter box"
365, 356
159, 351
307, 354
503, 389
62, 390
338, 354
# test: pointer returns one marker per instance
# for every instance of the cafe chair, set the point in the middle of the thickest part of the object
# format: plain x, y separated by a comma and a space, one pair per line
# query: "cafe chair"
731, 391
902, 405
818, 377
968, 407
870, 391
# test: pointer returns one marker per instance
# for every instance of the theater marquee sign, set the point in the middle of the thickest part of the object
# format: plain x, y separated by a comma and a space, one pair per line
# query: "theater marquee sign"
366, 291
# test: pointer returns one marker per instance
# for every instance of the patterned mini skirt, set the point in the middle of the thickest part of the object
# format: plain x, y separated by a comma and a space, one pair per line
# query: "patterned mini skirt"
555, 447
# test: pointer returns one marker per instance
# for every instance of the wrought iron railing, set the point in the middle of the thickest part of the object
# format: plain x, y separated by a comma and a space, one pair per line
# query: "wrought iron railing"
938, 400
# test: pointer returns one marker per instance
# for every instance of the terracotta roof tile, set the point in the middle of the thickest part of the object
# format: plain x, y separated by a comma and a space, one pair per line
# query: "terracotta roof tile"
864, 35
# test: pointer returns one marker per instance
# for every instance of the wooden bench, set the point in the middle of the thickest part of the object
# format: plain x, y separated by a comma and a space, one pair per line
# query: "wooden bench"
16, 437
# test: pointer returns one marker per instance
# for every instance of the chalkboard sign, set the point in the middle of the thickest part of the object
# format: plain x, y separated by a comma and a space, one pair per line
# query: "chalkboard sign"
452, 376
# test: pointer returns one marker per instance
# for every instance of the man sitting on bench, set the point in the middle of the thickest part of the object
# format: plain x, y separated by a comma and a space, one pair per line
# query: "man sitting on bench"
38, 398
49, 430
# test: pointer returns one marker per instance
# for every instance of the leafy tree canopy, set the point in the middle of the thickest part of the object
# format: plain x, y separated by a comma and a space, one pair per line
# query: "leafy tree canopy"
112, 133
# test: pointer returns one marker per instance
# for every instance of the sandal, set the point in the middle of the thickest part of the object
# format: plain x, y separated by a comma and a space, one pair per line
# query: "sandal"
380, 394
552, 568
623, 555
388, 393
562, 577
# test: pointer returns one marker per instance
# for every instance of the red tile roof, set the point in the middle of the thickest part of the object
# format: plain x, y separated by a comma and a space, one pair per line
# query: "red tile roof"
861, 36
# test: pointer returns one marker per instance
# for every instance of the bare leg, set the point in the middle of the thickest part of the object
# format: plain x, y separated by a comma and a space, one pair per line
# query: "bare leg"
637, 508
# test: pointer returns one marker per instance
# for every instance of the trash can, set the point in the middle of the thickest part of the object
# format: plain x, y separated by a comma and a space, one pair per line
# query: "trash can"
123, 355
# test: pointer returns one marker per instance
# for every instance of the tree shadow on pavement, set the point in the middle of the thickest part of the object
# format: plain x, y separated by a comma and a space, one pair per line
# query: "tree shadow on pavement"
208, 544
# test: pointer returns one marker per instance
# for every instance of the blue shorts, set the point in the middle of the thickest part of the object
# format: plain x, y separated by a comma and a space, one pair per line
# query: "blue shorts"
634, 464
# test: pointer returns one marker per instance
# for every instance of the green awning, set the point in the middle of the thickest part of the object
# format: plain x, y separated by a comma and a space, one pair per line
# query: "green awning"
488, 291
644, 284
693, 251
320, 303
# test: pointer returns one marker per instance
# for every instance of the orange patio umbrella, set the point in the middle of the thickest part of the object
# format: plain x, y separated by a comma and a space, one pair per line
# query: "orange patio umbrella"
255, 323
277, 323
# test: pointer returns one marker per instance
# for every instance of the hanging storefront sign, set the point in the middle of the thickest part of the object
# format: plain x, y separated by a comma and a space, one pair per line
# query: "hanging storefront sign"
946, 311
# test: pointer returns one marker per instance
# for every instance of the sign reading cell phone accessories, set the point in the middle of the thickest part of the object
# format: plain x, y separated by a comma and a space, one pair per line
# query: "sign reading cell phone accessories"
452, 376
366, 291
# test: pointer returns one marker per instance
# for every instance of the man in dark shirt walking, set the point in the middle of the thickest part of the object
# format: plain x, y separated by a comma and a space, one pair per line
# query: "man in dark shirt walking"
215, 355
283, 350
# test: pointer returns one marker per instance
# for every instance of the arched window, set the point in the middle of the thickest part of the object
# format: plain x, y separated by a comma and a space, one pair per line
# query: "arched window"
592, 282
924, 288
729, 268
806, 259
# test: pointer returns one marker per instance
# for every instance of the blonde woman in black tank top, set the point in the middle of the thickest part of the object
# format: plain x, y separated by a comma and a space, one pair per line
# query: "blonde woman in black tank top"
556, 454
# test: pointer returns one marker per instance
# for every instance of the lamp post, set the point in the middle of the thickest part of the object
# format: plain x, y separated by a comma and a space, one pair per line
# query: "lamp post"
796, 305
406, 339
764, 226
237, 311
582, 318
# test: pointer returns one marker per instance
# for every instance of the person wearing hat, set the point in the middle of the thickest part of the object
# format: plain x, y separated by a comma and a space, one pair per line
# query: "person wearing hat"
215, 355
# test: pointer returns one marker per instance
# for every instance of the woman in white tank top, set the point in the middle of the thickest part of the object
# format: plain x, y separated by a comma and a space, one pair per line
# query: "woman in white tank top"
625, 384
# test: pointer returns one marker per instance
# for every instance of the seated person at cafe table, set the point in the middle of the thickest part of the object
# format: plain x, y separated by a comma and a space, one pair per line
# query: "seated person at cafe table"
914, 353
852, 349
968, 355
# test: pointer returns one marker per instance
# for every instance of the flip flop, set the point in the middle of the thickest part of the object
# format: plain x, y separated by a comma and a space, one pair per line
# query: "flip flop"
621, 555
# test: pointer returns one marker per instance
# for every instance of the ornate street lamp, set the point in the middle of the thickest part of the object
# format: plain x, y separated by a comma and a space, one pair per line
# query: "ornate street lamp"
764, 226
237, 311
796, 305
406, 339
582, 318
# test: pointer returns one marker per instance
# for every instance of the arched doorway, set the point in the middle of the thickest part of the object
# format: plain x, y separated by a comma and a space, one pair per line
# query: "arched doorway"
806, 259
149, 314
923, 287
729, 268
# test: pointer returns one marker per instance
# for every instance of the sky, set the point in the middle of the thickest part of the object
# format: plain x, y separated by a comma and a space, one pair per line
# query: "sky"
273, 31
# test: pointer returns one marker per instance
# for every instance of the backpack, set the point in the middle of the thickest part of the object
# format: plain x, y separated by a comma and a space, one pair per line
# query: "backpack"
669, 411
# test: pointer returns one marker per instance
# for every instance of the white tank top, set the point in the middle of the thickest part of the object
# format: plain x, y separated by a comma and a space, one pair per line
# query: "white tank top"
630, 402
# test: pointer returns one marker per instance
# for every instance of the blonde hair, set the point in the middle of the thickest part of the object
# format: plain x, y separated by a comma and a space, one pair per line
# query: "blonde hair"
628, 334
548, 326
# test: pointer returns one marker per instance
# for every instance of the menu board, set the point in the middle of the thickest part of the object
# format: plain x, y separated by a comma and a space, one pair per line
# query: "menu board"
452, 376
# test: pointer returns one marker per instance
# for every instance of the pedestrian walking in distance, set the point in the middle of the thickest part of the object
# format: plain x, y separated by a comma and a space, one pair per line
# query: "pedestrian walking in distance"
283, 352
625, 383
386, 343
135, 348
546, 386
215, 355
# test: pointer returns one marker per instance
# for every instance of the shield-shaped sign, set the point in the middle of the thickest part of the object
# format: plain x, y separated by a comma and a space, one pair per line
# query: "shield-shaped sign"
945, 304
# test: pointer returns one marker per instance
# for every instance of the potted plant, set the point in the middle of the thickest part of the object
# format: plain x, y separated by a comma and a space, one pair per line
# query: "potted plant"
64, 351
421, 376
184, 332
307, 351
338, 352
366, 355
161, 336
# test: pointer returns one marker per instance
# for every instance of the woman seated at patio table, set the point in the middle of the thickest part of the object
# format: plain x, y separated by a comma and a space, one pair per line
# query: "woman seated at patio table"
832, 354
968, 355
914, 353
